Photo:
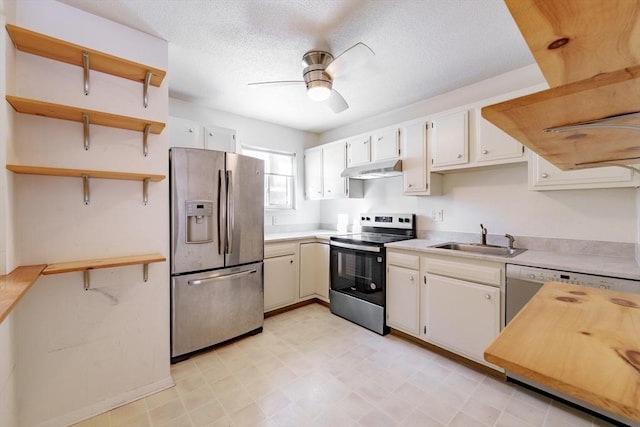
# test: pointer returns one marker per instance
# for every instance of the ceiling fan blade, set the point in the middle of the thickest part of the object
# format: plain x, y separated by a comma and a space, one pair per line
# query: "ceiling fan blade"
350, 58
277, 83
337, 102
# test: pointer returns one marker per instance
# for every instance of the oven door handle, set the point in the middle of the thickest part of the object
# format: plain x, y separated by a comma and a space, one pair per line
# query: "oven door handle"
366, 248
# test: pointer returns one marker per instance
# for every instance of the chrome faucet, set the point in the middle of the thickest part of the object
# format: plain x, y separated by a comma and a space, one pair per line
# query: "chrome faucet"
511, 240
484, 234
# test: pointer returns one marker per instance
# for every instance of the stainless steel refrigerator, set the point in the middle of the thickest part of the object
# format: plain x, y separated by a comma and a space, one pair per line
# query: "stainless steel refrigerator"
217, 248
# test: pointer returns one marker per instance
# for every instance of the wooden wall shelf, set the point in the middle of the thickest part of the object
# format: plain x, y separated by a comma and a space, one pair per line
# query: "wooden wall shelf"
86, 117
87, 174
13, 286
91, 264
60, 50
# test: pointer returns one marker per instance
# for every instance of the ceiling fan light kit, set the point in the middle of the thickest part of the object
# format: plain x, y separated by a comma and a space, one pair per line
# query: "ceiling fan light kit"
320, 69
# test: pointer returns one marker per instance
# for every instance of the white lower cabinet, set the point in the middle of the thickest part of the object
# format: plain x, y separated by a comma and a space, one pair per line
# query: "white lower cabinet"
314, 270
280, 276
403, 299
461, 316
449, 301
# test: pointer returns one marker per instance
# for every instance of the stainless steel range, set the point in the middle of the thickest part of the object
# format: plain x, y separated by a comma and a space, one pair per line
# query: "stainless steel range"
358, 268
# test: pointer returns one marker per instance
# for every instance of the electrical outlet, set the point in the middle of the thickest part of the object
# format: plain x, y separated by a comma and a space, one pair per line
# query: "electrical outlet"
437, 215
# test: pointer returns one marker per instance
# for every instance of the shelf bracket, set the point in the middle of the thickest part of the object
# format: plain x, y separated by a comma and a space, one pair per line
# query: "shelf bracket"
145, 272
86, 279
85, 130
85, 188
599, 124
145, 140
145, 89
85, 67
145, 191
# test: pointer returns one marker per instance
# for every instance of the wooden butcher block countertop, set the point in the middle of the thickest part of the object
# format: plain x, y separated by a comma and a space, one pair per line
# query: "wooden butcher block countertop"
583, 342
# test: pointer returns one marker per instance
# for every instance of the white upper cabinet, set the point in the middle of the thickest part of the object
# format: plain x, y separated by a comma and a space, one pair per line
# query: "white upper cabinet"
185, 133
449, 139
358, 150
222, 139
385, 145
313, 174
190, 134
322, 168
334, 185
417, 179
493, 143
545, 176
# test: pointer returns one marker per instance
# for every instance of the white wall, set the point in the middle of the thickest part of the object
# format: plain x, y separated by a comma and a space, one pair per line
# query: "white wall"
84, 352
267, 135
9, 327
498, 198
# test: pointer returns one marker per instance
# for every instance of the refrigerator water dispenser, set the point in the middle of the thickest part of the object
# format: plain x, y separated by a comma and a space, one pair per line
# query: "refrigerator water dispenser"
199, 221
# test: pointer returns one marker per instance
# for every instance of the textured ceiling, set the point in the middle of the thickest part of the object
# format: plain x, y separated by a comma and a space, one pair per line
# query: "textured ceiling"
422, 48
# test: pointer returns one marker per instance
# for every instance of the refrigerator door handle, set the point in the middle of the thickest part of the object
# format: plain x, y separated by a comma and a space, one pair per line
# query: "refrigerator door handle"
217, 277
220, 210
230, 213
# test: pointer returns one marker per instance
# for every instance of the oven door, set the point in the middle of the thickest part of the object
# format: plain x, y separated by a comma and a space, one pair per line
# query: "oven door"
358, 270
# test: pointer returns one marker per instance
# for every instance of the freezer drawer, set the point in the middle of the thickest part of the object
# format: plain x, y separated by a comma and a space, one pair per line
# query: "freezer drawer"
212, 307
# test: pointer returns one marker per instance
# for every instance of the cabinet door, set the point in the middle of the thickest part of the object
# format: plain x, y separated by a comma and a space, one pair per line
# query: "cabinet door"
449, 139
414, 161
280, 281
313, 174
184, 133
385, 145
545, 176
494, 144
334, 156
462, 316
222, 139
314, 270
403, 299
359, 150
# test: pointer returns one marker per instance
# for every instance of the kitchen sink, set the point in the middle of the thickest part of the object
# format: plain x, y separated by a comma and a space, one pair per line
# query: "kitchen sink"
481, 249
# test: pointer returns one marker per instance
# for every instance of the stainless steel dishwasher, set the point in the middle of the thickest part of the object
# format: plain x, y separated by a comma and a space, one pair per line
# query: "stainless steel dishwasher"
522, 284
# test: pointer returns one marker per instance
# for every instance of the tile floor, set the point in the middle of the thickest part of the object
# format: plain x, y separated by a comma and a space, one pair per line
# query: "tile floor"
311, 368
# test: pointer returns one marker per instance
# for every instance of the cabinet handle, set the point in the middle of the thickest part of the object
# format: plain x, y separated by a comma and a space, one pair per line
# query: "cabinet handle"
485, 151
409, 185
380, 139
291, 261
459, 156
190, 130
328, 191
486, 296
545, 175
411, 279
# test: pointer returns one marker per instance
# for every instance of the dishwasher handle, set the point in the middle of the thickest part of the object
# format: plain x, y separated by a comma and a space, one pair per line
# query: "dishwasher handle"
217, 277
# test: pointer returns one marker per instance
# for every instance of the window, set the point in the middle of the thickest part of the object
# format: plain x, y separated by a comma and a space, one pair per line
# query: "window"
279, 177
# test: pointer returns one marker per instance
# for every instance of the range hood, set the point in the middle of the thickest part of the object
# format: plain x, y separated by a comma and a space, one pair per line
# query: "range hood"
374, 170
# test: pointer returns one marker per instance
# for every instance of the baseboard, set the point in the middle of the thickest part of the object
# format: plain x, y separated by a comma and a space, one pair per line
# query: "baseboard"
450, 355
108, 404
294, 306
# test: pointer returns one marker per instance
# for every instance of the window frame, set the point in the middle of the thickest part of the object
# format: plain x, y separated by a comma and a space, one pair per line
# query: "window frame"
292, 177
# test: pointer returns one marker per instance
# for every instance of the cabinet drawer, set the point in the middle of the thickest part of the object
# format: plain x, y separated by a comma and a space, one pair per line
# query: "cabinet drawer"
274, 250
471, 270
403, 260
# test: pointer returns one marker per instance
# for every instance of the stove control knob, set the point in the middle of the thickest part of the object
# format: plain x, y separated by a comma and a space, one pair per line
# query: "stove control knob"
373, 286
407, 220
362, 218
400, 219
368, 219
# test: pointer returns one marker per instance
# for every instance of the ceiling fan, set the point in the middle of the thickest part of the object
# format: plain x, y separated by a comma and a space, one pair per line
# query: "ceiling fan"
321, 68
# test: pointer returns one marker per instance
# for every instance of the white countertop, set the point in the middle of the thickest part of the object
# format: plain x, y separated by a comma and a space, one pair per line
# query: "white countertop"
300, 235
625, 268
